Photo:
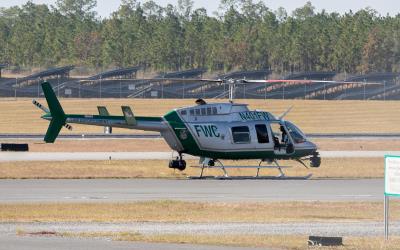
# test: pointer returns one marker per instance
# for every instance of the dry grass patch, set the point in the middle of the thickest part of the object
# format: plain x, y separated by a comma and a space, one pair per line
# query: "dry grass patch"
353, 144
330, 168
292, 242
88, 169
197, 212
312, 116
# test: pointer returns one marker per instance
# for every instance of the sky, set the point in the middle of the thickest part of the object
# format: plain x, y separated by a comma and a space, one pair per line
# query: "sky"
391, 7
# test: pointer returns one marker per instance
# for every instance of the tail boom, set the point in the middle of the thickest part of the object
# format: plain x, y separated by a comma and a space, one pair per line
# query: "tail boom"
58, 118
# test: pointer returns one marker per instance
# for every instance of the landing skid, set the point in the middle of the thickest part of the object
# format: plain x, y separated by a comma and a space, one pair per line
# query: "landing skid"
264, 177
226, 176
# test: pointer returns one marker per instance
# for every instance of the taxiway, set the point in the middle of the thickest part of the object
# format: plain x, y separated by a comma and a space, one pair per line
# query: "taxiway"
125, 190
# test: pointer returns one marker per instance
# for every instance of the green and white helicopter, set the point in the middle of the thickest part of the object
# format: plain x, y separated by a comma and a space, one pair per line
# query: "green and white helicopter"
211, 131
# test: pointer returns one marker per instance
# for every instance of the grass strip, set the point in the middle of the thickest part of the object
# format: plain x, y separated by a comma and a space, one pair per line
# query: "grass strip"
330, 168
197, 212
292, 242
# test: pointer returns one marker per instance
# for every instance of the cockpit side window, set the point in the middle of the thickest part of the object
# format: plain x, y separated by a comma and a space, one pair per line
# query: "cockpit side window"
241, 134
295, 132
262, 133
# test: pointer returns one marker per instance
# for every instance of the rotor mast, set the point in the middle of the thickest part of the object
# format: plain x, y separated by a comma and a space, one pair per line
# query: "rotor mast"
231, 83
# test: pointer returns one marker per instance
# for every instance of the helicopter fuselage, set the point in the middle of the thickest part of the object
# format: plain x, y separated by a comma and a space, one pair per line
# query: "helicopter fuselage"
213, 131
232, 131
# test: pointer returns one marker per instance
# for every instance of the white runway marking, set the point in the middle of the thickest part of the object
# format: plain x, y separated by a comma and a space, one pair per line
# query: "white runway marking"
87, 156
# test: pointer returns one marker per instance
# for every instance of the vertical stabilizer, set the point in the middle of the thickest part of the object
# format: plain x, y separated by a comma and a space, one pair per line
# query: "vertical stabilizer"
58, 117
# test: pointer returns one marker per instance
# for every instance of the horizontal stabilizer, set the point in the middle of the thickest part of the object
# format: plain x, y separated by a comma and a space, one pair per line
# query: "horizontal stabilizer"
103, 111
129, 117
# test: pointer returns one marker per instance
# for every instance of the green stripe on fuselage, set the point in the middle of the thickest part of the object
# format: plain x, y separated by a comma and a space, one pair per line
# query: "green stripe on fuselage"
189, 144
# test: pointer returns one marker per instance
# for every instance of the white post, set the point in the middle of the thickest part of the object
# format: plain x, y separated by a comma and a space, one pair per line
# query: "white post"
16, 84
364, 90
386, 216
58, 86
384, 90
100, 87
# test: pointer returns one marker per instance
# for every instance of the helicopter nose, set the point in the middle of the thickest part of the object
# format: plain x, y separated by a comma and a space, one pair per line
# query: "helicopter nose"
312, 145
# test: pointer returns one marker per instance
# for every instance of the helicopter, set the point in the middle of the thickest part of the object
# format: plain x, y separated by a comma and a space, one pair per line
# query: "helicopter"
211, 131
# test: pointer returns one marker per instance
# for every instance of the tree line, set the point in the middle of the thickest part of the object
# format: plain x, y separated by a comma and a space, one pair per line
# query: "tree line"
243, 34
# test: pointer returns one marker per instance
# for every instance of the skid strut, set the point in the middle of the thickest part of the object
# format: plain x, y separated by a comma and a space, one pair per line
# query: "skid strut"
222, 167
282, 174
271, 164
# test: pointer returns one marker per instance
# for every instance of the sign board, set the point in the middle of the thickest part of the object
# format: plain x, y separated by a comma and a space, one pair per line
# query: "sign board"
392, 175
392, 185
131, 86
68, 91
154, 93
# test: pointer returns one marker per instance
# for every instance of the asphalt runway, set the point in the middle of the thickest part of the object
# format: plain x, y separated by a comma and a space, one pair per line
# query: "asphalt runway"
81, 156
125, 190
61, 243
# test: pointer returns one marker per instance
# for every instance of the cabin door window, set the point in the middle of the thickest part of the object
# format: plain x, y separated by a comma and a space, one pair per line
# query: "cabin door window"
241, 134
262, 133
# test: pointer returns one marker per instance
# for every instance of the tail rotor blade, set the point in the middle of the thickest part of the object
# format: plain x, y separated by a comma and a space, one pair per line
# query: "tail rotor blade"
40, 106
67, 126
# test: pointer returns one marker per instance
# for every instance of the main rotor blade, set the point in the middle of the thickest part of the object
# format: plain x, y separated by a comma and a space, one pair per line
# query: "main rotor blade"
237, 81
285, 113
164, 80
310, 81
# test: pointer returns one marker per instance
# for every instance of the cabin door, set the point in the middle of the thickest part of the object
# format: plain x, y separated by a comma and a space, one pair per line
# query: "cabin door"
263, 136
283, 144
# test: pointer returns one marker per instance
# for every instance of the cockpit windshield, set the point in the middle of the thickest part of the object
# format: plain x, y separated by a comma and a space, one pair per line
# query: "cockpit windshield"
295, 132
